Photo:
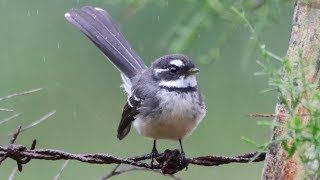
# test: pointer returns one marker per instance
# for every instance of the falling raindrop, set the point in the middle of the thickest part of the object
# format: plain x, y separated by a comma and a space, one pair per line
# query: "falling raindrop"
74, 114
58, 45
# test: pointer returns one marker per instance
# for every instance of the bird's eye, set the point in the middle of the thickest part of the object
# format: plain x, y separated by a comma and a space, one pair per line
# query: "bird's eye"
173, 69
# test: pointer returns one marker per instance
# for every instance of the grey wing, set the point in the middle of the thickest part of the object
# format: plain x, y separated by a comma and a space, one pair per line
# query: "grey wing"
98, 26
129, 112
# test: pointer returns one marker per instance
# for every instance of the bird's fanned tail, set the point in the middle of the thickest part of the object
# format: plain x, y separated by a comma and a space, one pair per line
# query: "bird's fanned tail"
97, 25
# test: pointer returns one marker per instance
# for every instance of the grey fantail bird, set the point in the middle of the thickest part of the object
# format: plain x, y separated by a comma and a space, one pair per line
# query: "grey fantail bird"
164, 101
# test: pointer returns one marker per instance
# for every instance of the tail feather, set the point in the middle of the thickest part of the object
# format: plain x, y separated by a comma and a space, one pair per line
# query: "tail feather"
106, 19
97, 25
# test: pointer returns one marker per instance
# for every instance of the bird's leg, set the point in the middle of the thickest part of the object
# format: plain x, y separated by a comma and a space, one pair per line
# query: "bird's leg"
182, 156
154, 152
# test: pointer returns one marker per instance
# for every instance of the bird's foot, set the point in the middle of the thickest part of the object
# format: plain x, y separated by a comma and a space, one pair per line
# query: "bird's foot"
154, 154
182, 160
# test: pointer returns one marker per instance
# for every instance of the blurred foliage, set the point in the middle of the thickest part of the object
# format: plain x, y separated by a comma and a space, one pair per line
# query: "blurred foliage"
290, 79
199, 16
302, 138
48, 52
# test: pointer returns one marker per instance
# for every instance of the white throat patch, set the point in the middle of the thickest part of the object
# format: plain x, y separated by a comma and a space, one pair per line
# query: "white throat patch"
182, 82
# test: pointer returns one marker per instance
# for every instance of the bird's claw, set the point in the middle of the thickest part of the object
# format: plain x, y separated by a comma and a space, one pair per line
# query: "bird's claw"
182, 159
154, 154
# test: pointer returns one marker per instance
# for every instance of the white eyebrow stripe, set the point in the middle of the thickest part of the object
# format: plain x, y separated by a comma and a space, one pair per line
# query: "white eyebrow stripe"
157, 71
182, 82
177, 62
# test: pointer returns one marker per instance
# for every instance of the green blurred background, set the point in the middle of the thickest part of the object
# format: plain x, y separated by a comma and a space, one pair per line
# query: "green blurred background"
38, 48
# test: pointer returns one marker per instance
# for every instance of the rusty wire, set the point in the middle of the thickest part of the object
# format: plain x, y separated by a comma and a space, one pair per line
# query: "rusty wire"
168, 162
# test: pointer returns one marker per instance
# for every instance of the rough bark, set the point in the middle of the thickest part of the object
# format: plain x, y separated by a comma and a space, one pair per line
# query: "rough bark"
304, 45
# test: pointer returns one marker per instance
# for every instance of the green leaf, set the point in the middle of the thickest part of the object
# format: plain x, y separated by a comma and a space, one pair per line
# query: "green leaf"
249, 141
286, 65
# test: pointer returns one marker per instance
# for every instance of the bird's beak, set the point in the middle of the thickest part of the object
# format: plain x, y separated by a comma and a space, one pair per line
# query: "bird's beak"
192, 71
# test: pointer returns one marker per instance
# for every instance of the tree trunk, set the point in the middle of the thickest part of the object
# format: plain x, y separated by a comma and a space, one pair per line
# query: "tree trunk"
304, 46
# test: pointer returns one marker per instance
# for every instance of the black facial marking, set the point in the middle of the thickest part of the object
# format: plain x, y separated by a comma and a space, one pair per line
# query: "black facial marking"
176, 89
171, 71
174, 69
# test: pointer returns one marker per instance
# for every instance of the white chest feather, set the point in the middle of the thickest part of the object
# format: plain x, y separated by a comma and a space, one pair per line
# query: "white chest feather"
178, 115
182, 82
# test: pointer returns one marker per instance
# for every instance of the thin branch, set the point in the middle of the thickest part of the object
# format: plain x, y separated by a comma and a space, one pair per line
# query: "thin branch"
111, 173
20, 93
64, 165
9, 118
261, 115
273, 115
6, 110
45, 117
118, 171
13, 173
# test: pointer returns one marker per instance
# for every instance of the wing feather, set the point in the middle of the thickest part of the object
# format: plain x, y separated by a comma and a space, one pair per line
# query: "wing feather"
129, 112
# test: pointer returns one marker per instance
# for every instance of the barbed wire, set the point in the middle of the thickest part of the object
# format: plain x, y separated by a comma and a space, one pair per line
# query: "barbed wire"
168, 162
